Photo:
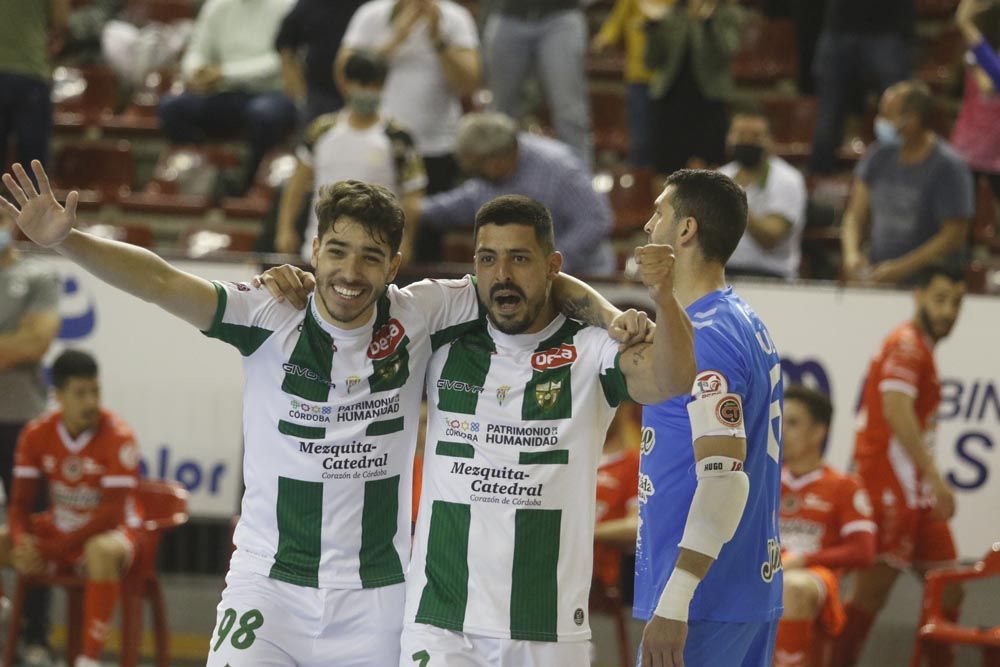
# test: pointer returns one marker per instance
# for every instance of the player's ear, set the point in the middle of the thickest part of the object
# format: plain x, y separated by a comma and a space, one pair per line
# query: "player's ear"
688, 231
555, 264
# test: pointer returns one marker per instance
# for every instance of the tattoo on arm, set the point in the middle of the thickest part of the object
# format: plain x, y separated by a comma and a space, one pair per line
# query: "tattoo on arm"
638, 358
581, 308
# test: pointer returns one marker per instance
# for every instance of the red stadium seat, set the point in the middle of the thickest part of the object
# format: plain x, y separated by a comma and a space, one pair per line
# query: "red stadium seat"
183, 182
609, 120
457, 246
82, 96
162, 11
101, 171
935, 628
198, 242
276, 168
630, 192
941, 66
793, 123
935, 9
768, 53
984, 224
164, 506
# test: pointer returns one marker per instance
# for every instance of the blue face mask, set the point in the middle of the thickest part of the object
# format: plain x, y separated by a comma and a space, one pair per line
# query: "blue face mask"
6, 237
886, 132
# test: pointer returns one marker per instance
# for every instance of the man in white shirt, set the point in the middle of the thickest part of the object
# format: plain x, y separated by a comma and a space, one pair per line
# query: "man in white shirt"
232, 79
358, 142
432, 50
776, 195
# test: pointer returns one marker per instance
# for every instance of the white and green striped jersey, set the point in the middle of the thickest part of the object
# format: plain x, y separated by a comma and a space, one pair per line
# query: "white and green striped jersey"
329, 424
515, 429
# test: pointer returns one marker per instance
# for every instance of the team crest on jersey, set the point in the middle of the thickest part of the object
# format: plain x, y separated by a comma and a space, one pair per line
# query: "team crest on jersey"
790, 503
72, 468
710, 383
729, 412
502, 393
128, 456
388, 371
352, 382
556, 357
547, 393
386, 340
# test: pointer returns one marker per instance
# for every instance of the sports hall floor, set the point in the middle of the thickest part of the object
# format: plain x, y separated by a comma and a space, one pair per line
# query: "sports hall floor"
191, 601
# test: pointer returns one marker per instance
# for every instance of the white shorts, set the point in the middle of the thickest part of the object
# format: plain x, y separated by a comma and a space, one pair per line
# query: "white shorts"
430, 646
262, 622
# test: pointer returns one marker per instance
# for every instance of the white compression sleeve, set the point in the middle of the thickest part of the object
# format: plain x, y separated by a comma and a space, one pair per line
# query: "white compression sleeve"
719, 500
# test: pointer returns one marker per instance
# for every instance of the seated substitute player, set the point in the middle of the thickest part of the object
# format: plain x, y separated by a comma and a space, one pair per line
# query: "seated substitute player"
826, 528
89, 459
708, 561
324, 533
894, 457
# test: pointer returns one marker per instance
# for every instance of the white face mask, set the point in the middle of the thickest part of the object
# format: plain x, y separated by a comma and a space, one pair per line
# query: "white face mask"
886, 132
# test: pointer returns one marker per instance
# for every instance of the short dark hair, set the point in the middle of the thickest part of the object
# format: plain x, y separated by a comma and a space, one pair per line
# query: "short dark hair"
366, 68
73, 364
817, 403
917, 99
719, 206
373, 206
518, 210
927, 274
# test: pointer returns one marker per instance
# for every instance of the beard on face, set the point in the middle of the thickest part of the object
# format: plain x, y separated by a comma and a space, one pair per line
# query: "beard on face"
506, 324
938, 329
338, 312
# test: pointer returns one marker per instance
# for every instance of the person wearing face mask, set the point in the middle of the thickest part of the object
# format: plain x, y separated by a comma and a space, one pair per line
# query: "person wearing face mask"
501, 161
776, 195
912, 189
29, 322
359, 143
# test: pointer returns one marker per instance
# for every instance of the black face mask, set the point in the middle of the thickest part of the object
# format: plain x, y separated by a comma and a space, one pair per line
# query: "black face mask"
749, 156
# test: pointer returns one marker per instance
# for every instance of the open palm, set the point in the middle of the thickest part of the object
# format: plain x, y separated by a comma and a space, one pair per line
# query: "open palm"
40, 216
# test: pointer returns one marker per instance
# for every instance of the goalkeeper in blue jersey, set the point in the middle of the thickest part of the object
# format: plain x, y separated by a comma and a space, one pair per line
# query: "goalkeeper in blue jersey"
708, 563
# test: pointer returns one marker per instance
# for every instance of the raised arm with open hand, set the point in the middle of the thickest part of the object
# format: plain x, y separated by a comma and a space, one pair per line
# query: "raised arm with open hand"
129, 268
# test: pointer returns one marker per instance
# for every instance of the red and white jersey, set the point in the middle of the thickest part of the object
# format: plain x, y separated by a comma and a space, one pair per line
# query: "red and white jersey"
905, 364
820, 509
617, 495
79, 469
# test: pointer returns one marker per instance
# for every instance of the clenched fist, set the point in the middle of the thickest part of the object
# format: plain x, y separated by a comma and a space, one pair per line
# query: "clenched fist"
656, 269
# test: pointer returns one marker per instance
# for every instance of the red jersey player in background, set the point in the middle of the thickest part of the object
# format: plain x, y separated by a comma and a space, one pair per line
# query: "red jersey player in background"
826, 528
893, 455
90, 461
617, 497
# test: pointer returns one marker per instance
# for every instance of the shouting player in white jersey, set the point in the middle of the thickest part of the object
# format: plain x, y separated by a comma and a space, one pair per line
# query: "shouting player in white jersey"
331, 404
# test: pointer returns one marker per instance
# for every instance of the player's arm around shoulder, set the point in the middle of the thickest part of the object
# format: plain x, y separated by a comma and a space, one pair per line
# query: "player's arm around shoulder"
665, 368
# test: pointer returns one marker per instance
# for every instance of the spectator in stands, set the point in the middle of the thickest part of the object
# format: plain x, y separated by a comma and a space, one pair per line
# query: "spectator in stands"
626, 23
549, 36
976, 136
914, 189
86, 23
29, 322
433, 53
826, 529
90, 461
357, 143
689, 48
501, 161
232, 78
308, 41
776, 195
864, 43
808, 20
25, 76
